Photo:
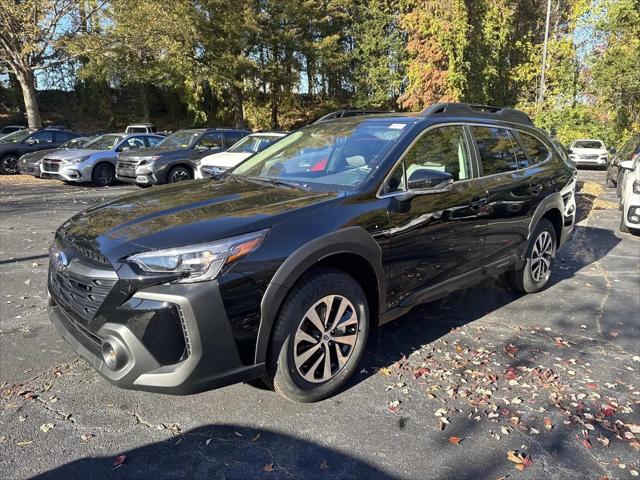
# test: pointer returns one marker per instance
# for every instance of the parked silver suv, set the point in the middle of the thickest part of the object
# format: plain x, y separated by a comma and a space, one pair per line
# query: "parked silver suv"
96, 162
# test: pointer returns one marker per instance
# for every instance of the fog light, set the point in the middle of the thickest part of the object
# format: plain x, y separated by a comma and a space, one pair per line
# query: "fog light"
114, 354
142, 179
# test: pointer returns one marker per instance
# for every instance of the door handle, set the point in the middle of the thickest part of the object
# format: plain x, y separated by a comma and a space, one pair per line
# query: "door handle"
535, 188
478, 202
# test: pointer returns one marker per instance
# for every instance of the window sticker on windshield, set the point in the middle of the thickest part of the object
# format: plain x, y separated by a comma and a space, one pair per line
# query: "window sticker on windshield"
397, 126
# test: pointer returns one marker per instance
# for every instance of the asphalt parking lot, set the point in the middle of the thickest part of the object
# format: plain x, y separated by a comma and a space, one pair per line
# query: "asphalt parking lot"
446, 392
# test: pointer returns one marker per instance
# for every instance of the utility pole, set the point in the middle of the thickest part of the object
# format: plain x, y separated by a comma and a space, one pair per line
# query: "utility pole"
544, 54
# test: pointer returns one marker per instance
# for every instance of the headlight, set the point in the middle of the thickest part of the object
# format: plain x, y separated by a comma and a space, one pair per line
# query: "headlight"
148, 160
197, 263
636, 186
78, 159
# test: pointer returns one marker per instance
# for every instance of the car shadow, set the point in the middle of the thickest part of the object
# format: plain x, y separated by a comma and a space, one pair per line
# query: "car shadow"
224, 451
428, 322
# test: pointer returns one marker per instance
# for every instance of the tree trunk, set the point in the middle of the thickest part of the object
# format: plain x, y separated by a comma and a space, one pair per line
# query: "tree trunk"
144, 99
238, 103
27, 83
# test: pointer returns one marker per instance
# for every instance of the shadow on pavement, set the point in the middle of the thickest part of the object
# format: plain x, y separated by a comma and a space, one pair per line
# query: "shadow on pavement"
429, 322
224, 451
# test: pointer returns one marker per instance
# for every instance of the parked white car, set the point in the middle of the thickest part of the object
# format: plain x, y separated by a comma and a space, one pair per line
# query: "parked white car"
239, 151
589, 153
630, 196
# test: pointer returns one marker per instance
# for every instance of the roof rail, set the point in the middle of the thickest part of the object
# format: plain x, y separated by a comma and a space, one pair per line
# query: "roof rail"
502, 113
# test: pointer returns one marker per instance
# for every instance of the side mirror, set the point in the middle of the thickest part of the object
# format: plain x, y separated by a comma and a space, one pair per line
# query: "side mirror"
30, 141
570, 151
626, 165
612, 150
201, 148
124, 148
426, 179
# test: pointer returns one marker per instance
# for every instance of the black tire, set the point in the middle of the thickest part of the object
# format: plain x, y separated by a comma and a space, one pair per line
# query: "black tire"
103, 175
623, 228
179, 174
281, 372
524, 279
9, 164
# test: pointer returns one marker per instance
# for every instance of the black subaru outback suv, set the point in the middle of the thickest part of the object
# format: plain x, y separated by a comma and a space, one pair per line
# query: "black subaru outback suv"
281, 268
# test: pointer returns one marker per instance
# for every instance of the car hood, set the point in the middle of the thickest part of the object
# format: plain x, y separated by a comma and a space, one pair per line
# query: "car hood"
225, 159
191, 213
75, 153
36, 157
154, 152
589, 151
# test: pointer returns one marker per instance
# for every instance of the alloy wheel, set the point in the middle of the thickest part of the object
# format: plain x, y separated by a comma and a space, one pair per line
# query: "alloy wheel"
105, 176
180, 175
541, 256
325, 338
10, 164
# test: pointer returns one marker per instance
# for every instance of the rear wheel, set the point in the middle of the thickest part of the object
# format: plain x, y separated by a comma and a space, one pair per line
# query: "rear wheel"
9, 164
103, 175
319, 336
534, 274
179, 174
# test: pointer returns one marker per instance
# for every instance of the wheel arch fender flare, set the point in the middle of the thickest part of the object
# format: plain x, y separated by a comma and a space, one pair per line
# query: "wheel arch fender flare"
551, 202
352, 240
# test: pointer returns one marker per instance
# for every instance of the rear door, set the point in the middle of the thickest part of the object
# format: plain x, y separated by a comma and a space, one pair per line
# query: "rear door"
208, 144
436, 238
515, 183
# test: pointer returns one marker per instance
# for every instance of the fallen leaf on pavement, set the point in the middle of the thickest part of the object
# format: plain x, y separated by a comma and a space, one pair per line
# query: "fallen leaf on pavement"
208, 441
324, 465
586, 443
455, 440
119, 461
511, 350
591, 385
521, 460
24, 442
45, 427
385, 371
256, 438
268, 467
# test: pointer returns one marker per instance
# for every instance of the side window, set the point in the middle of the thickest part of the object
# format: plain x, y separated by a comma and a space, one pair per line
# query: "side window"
443, 149
152, 141
535, 149
211, 140
133, 143
496, 150
231, 138
62, 136
42, 136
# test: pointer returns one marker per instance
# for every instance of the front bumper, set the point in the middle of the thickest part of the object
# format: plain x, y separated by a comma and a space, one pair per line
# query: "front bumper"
212, 359
141, 175
69, 172
595, 162
29, 169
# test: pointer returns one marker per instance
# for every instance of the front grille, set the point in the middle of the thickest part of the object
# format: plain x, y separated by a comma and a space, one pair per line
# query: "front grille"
589, 157
50, 165
80, 295
128, 163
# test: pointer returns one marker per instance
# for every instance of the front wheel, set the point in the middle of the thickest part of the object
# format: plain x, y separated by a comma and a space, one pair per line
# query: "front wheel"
179, 174
319, 336
103, 175
9, 164
534, 274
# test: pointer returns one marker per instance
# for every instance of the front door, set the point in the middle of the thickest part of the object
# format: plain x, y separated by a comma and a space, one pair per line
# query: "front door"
436, 237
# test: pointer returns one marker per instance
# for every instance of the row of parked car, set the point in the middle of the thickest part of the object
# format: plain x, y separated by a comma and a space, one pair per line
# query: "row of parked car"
137, 156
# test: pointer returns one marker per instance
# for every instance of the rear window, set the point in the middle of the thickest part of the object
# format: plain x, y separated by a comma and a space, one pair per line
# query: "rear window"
588, 144
496, 147
536, 151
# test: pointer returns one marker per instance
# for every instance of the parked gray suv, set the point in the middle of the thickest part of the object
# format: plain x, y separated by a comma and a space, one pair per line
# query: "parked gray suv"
177, 157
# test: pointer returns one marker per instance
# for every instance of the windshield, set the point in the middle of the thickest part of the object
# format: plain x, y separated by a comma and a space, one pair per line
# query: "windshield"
17, 137
588, 144
253, 144
335, 155
181, 139
104, 142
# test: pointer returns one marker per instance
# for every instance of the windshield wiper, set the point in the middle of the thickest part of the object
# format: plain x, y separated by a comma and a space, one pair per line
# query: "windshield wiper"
277, 182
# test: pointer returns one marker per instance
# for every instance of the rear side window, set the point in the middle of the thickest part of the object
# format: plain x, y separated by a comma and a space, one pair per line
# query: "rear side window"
535, 149
62, 136
496, 147
42, 136
153, 141
211, 140
232, 138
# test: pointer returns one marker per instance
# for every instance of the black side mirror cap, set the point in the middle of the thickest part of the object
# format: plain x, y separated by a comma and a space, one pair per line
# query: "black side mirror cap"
427, 179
